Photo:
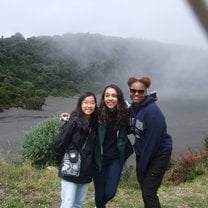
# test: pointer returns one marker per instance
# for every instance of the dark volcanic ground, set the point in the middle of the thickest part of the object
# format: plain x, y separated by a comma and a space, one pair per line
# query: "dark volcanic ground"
187, 123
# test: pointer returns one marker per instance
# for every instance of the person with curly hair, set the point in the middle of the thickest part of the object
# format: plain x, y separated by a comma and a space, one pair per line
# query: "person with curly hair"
112, 147
153, 145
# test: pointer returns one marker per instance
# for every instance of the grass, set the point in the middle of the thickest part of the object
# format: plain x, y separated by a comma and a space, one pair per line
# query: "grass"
23, 186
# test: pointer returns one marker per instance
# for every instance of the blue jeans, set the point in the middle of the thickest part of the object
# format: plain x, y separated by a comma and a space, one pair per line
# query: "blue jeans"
106, 182
72, 194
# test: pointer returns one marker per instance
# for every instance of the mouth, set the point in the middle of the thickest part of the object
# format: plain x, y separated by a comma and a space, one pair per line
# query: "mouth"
137, 98
109, 104
89, 110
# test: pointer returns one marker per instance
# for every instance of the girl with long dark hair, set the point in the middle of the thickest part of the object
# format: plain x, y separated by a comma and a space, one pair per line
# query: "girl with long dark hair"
80, 129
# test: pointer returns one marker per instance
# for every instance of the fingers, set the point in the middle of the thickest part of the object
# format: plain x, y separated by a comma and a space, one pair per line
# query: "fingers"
64, 116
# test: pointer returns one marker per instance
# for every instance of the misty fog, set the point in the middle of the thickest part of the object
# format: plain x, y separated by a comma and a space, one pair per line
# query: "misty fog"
177, 71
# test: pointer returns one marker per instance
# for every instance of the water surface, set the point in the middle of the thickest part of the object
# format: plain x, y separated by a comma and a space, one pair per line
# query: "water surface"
187, 122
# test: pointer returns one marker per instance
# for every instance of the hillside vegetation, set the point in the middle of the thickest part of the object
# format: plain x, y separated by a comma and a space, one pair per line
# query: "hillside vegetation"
33, 68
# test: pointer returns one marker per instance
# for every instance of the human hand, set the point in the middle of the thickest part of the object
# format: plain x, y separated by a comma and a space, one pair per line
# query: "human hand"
64, 116
154, 94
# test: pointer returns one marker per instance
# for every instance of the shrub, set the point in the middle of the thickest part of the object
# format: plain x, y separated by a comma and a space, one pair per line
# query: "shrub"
35, 103
38, 142
40, 93
188, 167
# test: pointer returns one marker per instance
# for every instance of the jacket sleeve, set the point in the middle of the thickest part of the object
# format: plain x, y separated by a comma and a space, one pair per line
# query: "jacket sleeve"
154, 127
129, 131
63, 139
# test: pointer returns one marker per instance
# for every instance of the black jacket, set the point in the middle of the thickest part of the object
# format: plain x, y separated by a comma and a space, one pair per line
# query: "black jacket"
72, 136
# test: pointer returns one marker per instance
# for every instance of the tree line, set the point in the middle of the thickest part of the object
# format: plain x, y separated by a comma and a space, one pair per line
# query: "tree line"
34, 68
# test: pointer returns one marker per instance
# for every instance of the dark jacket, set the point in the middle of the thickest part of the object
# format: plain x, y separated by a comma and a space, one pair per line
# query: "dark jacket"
149, 128
72, 136
123, 144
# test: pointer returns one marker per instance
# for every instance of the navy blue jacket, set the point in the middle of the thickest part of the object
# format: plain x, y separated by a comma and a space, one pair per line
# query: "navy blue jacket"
149, 128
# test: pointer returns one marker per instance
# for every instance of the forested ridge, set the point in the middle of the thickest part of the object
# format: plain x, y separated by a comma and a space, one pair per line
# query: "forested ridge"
33, 68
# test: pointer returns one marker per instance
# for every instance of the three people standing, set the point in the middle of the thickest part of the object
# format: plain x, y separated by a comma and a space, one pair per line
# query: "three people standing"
153, 145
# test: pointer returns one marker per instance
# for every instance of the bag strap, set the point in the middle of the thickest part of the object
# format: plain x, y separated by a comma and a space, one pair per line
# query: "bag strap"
84, 145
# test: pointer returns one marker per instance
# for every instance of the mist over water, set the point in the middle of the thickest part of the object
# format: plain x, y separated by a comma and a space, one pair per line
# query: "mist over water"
178, 73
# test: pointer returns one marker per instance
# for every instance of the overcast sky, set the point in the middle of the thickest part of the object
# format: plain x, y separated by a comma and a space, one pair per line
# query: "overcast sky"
169, 21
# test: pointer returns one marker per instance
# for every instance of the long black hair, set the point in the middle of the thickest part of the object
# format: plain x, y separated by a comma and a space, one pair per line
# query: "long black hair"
78, 113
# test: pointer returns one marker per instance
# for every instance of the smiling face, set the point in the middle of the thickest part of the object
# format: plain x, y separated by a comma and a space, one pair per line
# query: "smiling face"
137, 92
88, 106
110, 98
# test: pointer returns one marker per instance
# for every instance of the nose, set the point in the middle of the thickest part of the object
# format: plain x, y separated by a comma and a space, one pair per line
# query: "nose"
89, 104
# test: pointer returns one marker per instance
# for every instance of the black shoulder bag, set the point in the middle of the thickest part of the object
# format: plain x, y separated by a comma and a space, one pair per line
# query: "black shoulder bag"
71, 162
